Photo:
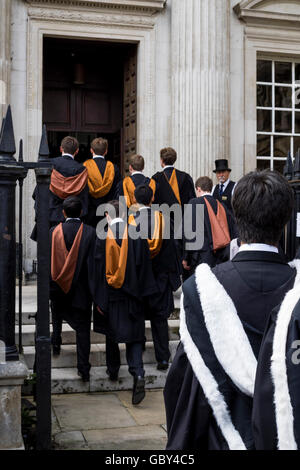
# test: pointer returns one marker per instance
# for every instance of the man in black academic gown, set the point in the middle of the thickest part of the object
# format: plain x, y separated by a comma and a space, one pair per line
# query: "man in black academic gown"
72, 245
151, 225
276, 402
224, 190
122, 277
173, 186
218, 226
209, 389
68, 178
103, 179
136, 178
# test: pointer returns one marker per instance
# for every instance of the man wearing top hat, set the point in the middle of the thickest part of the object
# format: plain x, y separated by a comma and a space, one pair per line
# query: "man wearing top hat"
224, 190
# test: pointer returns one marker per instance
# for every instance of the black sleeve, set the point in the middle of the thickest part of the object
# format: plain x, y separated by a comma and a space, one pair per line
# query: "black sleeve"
187, 411
147, 283
263, 412
191, 188
97, 280
117, 182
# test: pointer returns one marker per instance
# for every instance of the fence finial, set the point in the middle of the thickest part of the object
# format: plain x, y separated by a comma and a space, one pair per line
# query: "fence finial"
7, 139
44, 148
288, 170
21, 160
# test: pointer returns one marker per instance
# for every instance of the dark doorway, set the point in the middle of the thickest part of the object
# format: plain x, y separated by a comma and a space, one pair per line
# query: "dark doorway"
90, 91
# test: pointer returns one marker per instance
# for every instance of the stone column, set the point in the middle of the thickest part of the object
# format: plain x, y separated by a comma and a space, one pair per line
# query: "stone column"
5, 7
200, 83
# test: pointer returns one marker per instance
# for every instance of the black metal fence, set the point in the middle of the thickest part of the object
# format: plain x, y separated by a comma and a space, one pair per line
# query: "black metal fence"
12, 171
292, 231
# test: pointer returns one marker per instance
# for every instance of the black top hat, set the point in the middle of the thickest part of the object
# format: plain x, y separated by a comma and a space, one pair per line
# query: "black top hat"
221, 165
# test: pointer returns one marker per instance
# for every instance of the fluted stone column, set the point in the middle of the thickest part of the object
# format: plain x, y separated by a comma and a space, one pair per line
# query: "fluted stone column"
200, 83
5, 7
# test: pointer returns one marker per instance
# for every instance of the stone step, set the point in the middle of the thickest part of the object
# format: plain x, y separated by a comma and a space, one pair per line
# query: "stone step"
67, 381
69, 335
68, 358
29, 304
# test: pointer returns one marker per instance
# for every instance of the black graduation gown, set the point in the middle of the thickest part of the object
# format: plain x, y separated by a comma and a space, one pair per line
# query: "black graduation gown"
207, 254
123, 320
79, 296
113, 193
138, 179
68, 167
216, 413
276, 402
226, 197
166, 267
164, 193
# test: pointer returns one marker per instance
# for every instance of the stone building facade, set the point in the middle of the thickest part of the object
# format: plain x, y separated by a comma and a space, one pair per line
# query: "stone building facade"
212, 78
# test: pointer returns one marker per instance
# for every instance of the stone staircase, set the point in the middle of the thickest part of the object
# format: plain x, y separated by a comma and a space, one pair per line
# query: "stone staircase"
64, 371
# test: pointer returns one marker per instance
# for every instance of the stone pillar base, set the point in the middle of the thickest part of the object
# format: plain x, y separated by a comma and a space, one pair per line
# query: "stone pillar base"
12, 375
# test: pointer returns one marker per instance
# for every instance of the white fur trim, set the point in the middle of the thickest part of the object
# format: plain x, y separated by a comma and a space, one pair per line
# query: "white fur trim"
282, 400
210, 387
228, 337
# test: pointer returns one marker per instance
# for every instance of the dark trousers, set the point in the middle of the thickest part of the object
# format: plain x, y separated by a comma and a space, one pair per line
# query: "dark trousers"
160, 335
134, 357
80, 321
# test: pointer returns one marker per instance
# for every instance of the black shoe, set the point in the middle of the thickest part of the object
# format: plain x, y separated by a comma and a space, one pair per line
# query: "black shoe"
85, 376
163, 365
56, 349
113, 377
138, 393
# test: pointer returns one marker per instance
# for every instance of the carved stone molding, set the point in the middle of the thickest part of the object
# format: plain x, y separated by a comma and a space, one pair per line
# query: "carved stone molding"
57, 15
265, 12
146, 6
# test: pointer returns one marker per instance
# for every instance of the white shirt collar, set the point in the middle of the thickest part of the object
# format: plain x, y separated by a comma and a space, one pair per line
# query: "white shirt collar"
225, 184
117, 220
72, 218
67, 155
168, 166
258, 247
136, 173
98, 156
144, 207
206, 194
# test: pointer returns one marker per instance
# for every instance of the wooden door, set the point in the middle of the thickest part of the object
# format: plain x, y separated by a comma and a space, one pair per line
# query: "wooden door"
130, 106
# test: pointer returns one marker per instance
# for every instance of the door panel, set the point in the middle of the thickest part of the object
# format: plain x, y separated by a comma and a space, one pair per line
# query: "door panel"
130, 105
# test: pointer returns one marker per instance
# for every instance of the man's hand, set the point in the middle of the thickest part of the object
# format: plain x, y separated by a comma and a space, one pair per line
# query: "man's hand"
185, 265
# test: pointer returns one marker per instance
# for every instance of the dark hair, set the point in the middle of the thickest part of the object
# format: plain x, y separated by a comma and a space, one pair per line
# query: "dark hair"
262, 205
168, 156
69, 144
99, 145
137, 162
115, 209
72, 206
143, 194
204, 183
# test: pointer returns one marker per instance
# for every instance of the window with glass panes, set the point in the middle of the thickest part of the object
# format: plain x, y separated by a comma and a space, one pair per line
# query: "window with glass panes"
278, 114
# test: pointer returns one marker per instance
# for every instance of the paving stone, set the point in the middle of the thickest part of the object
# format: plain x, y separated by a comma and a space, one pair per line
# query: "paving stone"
88, 412
70, 440
150, 411
135, 438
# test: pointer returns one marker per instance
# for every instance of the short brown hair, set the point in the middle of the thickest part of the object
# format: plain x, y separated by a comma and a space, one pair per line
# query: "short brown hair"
99, 145
204, 183
69, 144
137, 162
168, 156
